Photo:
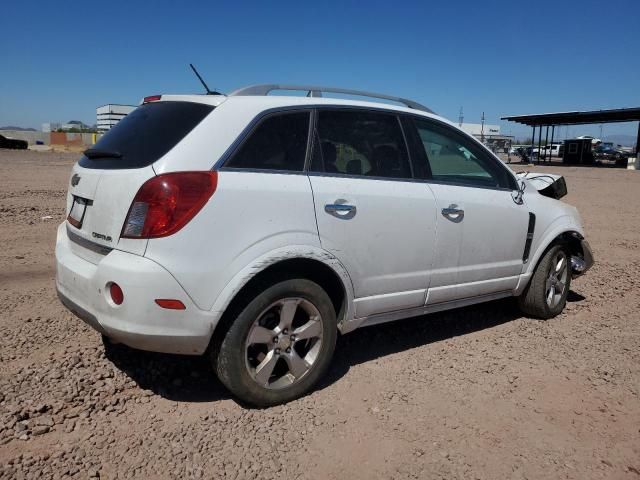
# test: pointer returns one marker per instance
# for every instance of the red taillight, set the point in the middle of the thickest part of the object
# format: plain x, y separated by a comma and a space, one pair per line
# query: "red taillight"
166, 203
151, 98
117, 295
170, 304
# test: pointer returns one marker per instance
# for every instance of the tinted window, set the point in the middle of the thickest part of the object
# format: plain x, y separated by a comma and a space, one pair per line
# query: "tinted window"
360, 143
279, 142
146, 134
456, 159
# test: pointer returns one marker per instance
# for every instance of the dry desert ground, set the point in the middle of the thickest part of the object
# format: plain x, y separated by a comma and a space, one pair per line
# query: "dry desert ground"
480, 392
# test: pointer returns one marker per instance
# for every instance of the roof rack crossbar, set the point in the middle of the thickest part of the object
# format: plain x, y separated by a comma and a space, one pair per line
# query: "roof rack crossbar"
315, 91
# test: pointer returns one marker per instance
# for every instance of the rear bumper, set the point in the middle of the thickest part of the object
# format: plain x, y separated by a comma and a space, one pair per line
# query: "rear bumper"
80, 312
138, 322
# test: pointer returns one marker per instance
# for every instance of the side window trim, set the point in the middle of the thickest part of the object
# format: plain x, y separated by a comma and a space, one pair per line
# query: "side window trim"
310, 141
415, 148
492, 160
406, 147
407, 125
256, 122
316, 145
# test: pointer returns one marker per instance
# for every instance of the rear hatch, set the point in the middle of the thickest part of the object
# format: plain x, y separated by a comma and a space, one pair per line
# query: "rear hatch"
106, 179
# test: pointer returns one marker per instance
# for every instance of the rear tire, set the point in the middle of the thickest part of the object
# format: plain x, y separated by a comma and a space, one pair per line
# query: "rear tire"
279, 345
546, 295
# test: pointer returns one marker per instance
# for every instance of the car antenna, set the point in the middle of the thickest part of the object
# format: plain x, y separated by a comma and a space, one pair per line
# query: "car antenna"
209, 92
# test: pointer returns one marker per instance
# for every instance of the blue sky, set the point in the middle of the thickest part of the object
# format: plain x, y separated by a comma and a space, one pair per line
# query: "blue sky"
62, 60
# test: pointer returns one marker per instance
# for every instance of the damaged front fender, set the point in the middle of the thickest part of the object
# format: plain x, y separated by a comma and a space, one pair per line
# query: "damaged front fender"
547, 184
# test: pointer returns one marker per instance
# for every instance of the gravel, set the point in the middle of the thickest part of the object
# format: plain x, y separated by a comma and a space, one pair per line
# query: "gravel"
475, 393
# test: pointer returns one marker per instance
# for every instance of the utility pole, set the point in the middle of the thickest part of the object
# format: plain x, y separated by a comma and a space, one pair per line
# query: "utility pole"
460, 118
482, 129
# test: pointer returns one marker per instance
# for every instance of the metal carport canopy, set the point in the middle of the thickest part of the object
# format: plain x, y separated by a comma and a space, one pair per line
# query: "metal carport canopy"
577, 118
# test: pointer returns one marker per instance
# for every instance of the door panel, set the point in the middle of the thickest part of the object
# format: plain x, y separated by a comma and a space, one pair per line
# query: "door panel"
490, 242
481, 231
386, 242
370, 214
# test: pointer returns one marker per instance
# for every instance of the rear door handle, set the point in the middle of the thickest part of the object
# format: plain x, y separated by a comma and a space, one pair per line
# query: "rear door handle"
341, 210
453, 213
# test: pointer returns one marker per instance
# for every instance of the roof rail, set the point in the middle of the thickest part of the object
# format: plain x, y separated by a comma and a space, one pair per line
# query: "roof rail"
315, 91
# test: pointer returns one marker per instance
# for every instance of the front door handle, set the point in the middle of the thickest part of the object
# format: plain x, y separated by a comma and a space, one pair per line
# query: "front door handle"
453, 213
341, 210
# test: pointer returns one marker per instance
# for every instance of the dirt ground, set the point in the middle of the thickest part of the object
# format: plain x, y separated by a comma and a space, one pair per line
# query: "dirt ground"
480, 392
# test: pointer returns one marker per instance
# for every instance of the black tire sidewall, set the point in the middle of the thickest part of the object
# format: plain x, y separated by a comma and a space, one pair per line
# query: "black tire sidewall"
230, 363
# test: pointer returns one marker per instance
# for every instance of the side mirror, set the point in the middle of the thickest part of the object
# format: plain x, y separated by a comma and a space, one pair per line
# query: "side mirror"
518, 195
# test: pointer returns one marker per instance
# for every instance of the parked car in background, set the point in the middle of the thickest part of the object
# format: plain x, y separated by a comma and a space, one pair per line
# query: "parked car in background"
555, 150
527, 154
608, 152
254, 228
13, 143
594, 140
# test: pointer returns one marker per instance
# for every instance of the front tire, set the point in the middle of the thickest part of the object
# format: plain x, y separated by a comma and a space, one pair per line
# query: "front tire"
279, 345
546, 295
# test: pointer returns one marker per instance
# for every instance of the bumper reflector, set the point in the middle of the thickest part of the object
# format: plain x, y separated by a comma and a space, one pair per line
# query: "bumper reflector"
117, 296
170, 304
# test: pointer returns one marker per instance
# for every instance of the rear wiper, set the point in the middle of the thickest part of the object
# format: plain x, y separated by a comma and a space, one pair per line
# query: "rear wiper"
95, 153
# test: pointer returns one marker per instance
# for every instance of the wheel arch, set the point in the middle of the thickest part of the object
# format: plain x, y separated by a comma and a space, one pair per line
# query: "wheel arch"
313, 264
569, 233
562, 228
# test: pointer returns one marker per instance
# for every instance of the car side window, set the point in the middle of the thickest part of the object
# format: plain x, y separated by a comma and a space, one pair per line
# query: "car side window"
279, 142
366, 143
455, 159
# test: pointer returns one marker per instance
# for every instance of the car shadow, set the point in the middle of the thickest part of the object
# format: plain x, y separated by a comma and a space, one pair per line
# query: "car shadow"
181, 378
573, 297
378, 341
190, 379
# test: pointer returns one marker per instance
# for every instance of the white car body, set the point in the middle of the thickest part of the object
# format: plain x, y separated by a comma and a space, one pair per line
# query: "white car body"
554, 150
398, 256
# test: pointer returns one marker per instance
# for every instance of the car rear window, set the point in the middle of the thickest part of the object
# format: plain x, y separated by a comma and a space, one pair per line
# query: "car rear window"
145, 135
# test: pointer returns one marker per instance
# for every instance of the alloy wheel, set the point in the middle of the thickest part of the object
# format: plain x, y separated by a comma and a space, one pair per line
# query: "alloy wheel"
557, 280
283, 343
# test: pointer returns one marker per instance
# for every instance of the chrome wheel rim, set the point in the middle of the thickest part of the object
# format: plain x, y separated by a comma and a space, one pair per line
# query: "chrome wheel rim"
557, 280
283, 343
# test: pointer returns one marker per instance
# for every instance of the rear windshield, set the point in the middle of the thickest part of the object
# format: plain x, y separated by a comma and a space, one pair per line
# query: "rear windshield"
145, 135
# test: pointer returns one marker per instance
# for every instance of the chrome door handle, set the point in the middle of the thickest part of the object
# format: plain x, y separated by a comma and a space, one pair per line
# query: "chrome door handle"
340, 210
453, 213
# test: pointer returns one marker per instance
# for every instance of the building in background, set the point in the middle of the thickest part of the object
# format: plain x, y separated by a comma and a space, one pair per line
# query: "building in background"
477, 129
489, 135
109, 115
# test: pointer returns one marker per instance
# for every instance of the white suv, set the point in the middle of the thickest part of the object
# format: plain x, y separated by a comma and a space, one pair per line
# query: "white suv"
254, 227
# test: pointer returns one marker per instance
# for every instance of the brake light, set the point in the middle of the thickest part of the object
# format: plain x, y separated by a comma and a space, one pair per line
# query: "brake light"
166, 203
151, 98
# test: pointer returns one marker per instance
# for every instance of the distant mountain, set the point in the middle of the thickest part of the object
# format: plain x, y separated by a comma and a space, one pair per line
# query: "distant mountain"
624, 140
20, 129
